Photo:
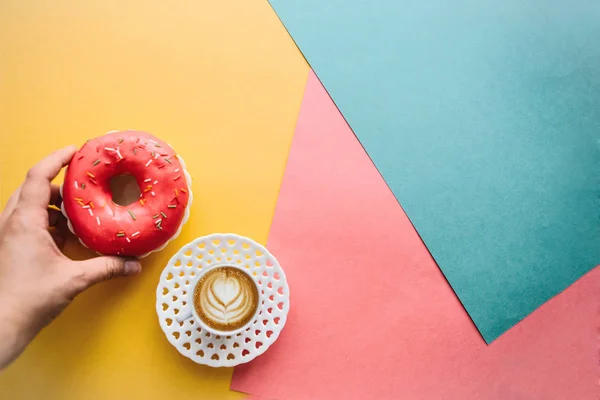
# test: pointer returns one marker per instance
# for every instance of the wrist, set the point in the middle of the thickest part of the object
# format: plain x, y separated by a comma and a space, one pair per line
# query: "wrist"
13, 335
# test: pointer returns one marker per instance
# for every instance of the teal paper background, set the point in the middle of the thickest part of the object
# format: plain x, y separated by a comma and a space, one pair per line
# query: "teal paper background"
484, 118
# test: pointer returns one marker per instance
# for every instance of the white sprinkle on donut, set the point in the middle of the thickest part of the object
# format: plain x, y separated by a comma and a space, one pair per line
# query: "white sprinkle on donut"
149, 162
91, 212
98, 220
76, 185
147, 180
135, 234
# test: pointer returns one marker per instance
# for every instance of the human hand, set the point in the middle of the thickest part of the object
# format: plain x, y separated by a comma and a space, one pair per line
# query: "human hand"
37, 281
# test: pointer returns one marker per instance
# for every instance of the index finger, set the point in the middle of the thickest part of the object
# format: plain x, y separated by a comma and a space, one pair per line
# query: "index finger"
36, 190
10, 205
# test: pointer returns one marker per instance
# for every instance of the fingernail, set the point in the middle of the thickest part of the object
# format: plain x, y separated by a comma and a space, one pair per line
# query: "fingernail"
132, 268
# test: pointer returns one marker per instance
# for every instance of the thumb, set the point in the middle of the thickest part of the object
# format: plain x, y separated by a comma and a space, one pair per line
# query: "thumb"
104, 268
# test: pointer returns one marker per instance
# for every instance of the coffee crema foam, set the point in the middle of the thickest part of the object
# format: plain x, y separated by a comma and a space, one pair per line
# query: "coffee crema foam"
226, 298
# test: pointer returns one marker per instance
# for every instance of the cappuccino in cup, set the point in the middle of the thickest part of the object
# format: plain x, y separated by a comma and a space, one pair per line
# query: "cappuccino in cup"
225, 299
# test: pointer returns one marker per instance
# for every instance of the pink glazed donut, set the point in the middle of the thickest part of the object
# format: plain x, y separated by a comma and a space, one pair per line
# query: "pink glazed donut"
143, 226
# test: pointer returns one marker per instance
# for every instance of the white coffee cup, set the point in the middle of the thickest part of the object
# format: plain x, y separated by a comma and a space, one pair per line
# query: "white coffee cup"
190, 311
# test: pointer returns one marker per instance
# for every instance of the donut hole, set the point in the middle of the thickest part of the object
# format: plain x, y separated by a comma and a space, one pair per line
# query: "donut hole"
124, 189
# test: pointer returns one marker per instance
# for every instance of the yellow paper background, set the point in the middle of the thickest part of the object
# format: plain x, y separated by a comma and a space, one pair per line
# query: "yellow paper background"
222, 82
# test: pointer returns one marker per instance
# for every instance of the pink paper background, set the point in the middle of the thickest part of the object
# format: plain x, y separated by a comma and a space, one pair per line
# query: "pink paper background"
372, 316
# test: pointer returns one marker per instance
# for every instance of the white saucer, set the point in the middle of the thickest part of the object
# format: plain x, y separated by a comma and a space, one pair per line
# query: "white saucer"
222, 351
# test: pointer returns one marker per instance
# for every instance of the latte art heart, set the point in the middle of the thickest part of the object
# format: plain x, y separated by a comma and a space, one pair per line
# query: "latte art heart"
226, 298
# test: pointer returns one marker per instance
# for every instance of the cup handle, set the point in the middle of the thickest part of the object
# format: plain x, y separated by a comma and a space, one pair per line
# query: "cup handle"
184, 314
